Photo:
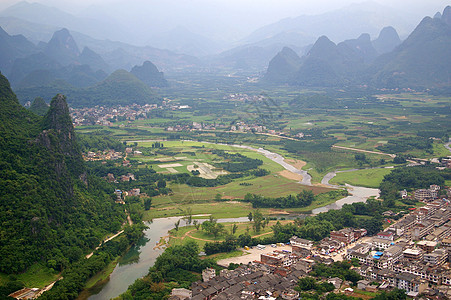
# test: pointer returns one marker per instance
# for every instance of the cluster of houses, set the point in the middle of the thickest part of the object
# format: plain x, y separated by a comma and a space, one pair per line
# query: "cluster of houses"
424, 195
246, 282
104, 116
274, 276
412, 254
102, 155
243, 127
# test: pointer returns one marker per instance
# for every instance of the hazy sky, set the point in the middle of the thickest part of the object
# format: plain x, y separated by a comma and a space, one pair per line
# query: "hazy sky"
277, 8
220, 19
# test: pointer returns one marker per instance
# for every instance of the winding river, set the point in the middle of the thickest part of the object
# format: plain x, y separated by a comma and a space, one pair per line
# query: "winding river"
137, 261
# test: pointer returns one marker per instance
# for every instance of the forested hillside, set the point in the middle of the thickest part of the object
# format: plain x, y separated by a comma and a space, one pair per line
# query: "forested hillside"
51, 210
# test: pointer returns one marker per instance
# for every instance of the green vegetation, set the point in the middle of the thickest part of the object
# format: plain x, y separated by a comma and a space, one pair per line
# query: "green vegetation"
39, 106
368, 178
41, 196
303, 199
75, 277
411, 178
178, 266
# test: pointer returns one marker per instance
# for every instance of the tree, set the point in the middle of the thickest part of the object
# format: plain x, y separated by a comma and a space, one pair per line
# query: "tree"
189, 216
218, 197
212, 227
177, 224
147, 203
307, 283
249, 216
234, 228
399, 159
218, 229
196, 224
258, 219
161, 184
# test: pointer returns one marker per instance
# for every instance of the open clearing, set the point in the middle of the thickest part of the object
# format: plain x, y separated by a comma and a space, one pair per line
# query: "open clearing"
170, 166
298, 164
290, 175
206, 171
251, 255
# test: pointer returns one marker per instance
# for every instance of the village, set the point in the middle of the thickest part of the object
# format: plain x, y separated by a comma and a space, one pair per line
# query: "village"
412, 254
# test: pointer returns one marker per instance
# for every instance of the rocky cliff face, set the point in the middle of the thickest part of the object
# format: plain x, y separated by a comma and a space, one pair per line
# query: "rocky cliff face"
59, 137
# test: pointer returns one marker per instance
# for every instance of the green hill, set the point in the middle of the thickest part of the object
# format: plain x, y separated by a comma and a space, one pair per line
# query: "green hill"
52, 211
120, 88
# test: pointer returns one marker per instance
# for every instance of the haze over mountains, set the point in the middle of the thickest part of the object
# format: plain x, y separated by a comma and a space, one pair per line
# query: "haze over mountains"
354, 45
422, 60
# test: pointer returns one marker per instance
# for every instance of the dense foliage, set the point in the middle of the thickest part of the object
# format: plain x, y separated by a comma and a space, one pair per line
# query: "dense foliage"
411, 178
50, 208
337, 269
178, 266
404, 144
39, 106
76, 276
318, 227
98, 141
237, 162
304, 198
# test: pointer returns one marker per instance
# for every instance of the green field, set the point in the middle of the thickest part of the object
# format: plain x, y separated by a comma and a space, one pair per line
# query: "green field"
368, 178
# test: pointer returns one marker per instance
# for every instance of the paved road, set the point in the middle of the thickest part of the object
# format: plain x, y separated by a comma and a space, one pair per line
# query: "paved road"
447, 145
366, 151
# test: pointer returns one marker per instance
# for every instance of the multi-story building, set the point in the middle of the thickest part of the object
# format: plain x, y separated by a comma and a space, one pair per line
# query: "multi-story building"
345, 235
413, 254
378, 243
208, 274
422, 229
437, 257
390, 256
410, 283
427, 246
386, 235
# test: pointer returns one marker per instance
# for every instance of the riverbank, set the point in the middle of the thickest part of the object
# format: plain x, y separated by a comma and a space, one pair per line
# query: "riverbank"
136, 261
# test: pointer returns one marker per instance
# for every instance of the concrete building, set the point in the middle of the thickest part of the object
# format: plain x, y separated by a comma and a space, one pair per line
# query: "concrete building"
427, 246
208, 274
436, 257
294, 240
386, 235
413, 254
411, 283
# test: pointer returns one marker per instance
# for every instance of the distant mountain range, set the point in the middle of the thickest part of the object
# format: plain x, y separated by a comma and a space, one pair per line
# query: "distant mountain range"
105, 28
338, 25
71, 60
96, 29
421, 61
59, 67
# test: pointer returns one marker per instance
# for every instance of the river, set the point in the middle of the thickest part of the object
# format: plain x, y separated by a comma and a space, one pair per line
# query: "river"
137, 261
